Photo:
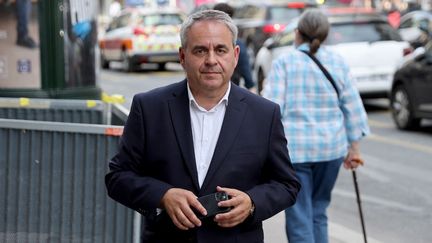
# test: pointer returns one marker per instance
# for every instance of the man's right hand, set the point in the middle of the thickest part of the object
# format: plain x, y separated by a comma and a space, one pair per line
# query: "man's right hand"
177, 203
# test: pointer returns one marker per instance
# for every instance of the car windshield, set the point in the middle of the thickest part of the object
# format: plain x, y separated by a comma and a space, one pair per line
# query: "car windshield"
161, 19
359, 32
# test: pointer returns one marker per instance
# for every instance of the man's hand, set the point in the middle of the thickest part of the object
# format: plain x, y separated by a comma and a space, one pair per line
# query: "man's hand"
177, 203
241, 205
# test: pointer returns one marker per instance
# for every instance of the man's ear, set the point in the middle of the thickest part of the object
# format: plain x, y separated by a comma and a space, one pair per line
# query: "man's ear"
181, 55
237, 52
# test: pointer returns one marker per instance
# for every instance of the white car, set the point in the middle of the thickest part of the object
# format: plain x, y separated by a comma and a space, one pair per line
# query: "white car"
363, 38
142, 35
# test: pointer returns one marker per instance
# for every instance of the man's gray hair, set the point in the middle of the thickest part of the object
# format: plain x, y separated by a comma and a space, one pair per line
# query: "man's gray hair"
204, 15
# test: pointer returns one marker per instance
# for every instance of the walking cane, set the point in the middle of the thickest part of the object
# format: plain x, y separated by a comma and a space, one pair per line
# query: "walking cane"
359, 202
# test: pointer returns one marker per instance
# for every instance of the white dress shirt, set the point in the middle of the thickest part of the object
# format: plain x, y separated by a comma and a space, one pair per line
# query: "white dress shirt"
206, 126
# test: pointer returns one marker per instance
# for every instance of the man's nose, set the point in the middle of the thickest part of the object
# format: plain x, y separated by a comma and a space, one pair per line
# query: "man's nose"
211, 58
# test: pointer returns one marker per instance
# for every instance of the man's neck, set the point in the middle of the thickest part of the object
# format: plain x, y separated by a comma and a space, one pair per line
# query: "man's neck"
208, 99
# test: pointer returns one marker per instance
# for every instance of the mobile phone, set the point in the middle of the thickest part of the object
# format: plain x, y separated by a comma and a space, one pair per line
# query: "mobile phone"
210, 202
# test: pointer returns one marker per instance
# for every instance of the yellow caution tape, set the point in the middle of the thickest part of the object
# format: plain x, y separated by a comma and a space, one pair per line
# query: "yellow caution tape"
91, 103
113, 99
24, 101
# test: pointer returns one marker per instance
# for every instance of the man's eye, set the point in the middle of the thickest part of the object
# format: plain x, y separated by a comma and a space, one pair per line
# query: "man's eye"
221, 51
199, 52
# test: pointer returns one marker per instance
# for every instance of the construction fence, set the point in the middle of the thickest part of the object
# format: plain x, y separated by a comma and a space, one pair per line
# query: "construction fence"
53, 158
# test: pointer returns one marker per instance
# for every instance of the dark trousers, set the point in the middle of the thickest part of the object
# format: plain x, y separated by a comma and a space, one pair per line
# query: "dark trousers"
23, 9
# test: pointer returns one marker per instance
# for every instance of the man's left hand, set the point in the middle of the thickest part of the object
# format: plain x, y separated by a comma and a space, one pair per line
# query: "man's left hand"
241, 205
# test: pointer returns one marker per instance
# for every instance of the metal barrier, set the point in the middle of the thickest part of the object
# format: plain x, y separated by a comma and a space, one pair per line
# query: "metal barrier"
119, 114
75, 111
52, 172
52, 184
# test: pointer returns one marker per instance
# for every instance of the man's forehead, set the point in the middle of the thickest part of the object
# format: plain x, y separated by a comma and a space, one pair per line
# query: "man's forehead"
213, 23
215, 35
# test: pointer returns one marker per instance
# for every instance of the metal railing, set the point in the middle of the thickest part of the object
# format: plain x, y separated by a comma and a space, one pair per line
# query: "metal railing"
75, 111
52, 176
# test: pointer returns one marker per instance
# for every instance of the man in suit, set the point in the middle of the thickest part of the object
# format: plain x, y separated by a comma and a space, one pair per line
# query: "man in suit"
199, 136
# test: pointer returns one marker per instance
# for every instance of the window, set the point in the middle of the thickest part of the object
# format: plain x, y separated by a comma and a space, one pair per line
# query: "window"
359, 32
283, 13
287, 37
249, 12
406, 24
123, 20
161, 19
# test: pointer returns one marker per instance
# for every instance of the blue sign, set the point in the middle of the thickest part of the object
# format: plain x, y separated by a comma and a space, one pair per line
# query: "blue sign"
23, 66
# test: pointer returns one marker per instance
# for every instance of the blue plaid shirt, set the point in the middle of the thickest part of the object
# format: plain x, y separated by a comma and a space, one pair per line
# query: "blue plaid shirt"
319, 126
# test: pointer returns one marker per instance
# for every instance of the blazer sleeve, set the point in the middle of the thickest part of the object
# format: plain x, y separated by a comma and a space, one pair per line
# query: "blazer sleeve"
279, 186
127, 181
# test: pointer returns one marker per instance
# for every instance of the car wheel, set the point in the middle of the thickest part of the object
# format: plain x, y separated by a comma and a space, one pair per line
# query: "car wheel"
161, 66
127, 65
104, 62
402, 109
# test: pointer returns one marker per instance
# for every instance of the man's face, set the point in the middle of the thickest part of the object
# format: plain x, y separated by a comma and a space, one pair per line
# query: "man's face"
209, 58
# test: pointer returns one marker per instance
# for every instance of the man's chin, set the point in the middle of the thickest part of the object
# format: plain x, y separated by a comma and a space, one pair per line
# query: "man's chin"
211, 76
211, 79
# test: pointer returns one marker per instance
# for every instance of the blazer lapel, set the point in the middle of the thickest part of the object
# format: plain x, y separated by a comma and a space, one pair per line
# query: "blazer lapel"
180, 117
233, 119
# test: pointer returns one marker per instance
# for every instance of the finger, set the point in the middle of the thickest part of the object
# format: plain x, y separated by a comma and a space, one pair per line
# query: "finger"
232, 202
231, 192
184, 220
178, 223
192, 217
346, 165
198, 206
234, 197
358, 161
236, 214
224, 220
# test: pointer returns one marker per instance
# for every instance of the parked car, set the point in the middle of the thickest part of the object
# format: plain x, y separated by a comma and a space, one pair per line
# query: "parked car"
142, 35
362, 37
260, 20
415, 27
411, 92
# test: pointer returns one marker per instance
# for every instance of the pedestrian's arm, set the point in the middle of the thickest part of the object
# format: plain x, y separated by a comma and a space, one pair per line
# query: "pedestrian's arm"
355, 119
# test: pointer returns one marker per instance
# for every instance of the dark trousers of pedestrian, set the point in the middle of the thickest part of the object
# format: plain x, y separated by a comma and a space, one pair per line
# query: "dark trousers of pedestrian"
23, 8
306, 220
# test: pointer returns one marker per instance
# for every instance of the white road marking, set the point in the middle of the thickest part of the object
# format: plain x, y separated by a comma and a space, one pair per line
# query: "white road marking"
380, 124
274, 232
373, 173
375, 200
404, 144
346, 235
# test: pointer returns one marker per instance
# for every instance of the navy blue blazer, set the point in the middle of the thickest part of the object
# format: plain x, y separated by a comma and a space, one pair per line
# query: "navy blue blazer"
156, 153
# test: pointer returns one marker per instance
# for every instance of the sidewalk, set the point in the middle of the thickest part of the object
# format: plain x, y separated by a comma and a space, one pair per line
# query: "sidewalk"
274, 232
